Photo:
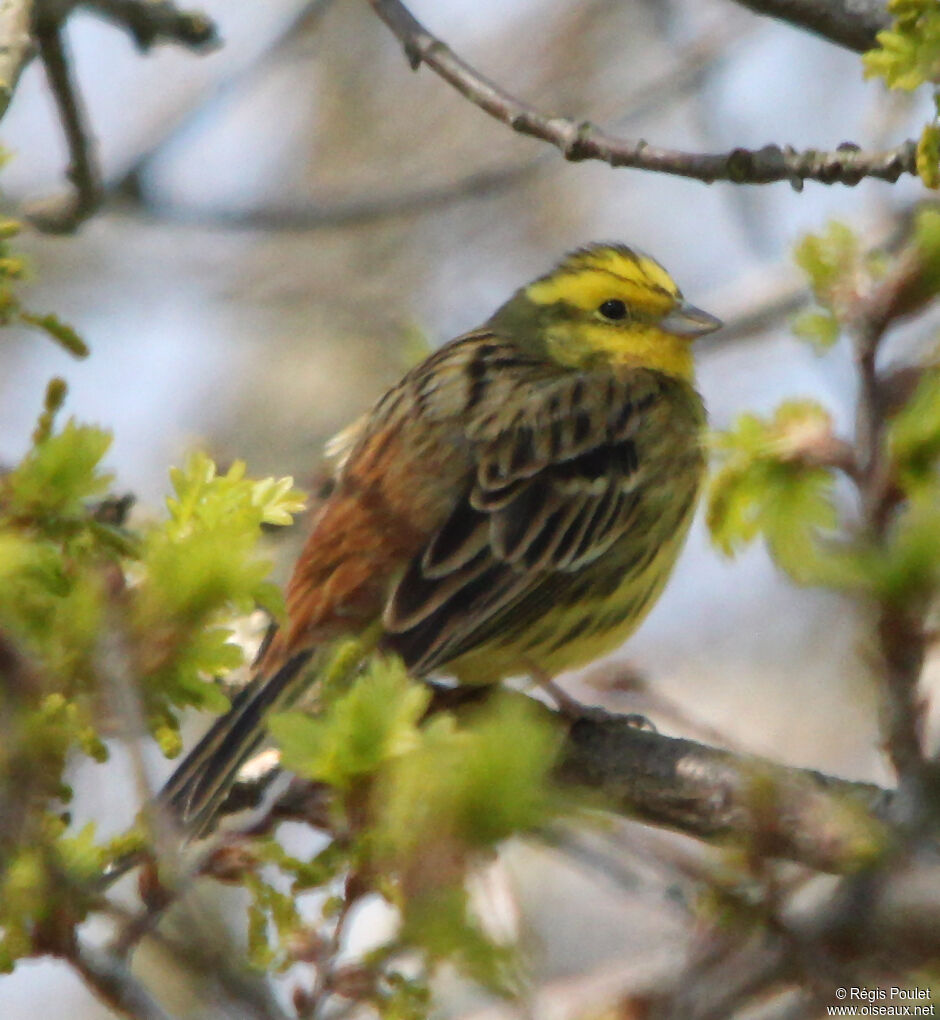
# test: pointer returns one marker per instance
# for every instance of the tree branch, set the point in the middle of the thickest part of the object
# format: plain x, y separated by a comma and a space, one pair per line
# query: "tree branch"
24, 21
158, 21
799, 814
853, 24
114, 984
584, 140
899, 627
821, 821
62, 215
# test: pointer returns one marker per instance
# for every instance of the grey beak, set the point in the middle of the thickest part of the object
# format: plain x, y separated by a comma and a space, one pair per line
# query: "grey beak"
687, 321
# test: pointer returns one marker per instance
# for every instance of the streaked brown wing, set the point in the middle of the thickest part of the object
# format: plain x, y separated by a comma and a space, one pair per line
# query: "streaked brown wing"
552, 492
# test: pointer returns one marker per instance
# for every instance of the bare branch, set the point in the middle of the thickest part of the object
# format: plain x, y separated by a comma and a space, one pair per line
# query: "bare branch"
148, 21
158, 21
584, 140
766, 311
899, 628
897, 910
849, 23
16, 46
64, 214
112, 981
826, 823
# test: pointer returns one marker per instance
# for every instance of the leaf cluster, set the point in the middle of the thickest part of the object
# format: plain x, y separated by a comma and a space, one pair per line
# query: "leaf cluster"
419, 801
838, 271
197, 571
90, 609
908, 53
765, 486
906, 57
777, 478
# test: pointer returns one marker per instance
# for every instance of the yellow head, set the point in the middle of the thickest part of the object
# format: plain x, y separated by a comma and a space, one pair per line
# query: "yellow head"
606, 305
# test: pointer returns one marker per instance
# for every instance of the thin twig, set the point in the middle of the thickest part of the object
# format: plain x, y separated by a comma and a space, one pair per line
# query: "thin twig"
240, 81
300, 217
584, 140
751, 321
322, 989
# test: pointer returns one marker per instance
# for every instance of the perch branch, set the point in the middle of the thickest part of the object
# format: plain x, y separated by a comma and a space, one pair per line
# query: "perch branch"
818, 820
798, 814
584, 140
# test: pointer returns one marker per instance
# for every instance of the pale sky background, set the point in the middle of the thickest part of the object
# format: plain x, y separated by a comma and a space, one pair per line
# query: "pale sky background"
259, 343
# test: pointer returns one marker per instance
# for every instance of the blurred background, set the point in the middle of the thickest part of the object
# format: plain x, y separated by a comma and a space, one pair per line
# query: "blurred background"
291, 215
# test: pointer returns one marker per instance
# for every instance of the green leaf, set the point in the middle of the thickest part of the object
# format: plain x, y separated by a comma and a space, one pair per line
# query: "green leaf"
908, 53
60, 473
927, 241
914, 433
827, 257
819, 328
797, 508
906, 568
198, 570
56, 391
474, 786
375, 721
207, 499
928, 156
458, 793
271, 912
51, 608
80, 854
766, 488
838, 271
443, 927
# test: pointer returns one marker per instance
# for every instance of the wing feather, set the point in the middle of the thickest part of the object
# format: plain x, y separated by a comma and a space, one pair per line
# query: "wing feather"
554, 489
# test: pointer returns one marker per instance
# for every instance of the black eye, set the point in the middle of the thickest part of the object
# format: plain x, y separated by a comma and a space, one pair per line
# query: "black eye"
613, 309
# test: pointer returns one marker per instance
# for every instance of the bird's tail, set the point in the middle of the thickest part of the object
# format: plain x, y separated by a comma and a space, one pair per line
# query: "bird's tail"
197, 789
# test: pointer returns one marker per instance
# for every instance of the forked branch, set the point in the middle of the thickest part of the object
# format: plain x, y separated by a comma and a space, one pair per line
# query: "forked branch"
30, 26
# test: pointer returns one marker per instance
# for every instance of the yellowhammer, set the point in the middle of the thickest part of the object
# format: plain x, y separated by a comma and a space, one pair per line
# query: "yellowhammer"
517, 501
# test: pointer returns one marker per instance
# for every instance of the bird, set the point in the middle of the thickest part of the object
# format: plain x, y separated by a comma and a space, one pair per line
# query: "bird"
516, 502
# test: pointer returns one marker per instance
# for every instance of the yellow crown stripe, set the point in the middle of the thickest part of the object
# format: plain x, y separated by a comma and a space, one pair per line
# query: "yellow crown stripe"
587, 279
